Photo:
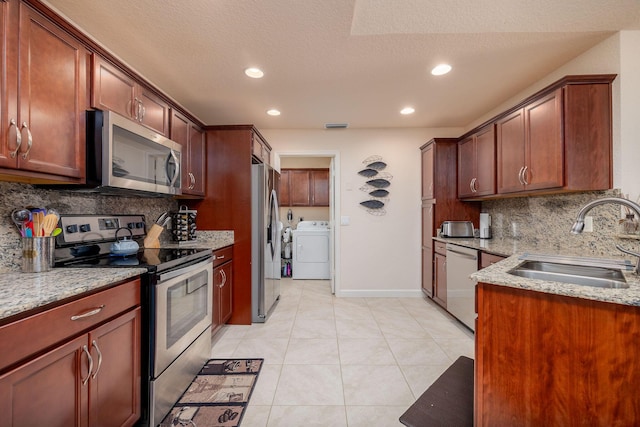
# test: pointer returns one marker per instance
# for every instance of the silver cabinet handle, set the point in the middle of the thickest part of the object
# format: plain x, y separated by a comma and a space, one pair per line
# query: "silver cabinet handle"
224, 279
142, 111
29, 140
471, 185
135, 108
95, 344
524, 175
90, 359
219, 257
88, 313
520, 175
13, 153
192, 178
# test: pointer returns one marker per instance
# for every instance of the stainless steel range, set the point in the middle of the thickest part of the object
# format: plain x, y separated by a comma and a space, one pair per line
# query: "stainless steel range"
177, 298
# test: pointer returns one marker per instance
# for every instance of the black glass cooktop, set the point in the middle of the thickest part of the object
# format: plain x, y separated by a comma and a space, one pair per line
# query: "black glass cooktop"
152, 259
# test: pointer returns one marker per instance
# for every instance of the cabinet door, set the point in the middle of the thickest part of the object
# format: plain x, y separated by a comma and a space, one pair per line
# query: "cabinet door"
153, 111
115, 380
47, 391
8, 138
427, 271
299, 185
197, 156
285, 195
427, 172
467, 160
319, 187
180, 134
485, 166
52, 97
226, 291
113, 90
511, 152
543, 124
440, 279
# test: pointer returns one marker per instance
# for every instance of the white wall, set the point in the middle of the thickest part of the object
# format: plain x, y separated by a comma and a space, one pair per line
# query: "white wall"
379, 255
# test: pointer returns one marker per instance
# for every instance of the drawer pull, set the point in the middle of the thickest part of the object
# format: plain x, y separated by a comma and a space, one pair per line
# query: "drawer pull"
219, 256
88, 313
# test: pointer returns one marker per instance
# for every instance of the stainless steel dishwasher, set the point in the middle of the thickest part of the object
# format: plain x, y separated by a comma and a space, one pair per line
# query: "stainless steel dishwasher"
461, 290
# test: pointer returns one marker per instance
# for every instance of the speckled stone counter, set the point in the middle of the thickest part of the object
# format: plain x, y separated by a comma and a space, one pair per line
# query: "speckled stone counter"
497, 274
20, 292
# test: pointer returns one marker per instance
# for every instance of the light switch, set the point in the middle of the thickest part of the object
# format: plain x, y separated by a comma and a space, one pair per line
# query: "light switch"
344, 220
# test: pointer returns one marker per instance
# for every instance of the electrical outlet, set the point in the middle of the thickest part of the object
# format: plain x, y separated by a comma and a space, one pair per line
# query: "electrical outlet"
588, 224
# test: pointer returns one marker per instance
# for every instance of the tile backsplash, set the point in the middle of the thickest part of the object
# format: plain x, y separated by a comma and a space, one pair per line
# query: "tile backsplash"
17, 195
547, 221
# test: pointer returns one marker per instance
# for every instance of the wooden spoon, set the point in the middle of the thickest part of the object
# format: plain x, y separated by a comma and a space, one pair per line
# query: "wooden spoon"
49, 223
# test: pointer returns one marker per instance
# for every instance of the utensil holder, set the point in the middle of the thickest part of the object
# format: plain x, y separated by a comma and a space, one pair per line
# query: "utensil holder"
37, 254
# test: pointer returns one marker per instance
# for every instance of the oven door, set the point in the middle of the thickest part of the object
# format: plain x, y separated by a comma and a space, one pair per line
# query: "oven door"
182, 311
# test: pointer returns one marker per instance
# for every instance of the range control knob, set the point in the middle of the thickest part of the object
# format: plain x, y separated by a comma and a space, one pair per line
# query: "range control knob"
85, 228
73, 228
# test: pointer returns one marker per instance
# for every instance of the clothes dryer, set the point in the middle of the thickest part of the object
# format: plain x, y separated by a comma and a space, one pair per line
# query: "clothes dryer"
311, 250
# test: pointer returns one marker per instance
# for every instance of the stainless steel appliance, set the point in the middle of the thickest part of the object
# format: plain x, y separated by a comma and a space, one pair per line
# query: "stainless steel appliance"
177, 298
485, 225
124, 156
265, 242
461, 289
456, 229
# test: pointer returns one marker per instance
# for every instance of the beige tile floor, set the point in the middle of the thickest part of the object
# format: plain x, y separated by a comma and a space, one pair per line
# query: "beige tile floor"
342, 361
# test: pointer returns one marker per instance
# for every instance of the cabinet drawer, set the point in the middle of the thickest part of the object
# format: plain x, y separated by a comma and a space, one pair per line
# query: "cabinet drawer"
487, 259
440, 247
20, 339
220, 256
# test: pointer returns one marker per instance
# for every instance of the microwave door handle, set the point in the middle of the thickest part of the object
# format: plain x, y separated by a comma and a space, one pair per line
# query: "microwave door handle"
175, 176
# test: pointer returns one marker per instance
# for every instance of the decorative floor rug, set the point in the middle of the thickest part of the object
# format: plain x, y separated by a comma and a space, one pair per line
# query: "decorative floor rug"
218, 395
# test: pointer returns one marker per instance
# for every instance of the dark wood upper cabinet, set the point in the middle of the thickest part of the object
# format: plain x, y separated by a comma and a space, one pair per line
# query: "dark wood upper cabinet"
558, 140
192, 139
44, 98
304, 187
117, 91
477, 164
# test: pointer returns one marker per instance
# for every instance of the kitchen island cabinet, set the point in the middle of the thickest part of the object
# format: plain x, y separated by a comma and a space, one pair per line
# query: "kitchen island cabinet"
545, 359
80, 365
44, 98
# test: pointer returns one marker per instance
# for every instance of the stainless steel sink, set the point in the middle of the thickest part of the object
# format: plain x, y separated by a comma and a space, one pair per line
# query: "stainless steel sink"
602, 277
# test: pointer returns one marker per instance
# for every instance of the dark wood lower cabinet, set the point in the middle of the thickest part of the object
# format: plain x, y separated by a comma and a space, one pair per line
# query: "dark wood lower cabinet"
58, 388
551, 360
222, 287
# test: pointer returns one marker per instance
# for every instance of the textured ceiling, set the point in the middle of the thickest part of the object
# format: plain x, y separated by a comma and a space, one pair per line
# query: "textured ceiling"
346, 61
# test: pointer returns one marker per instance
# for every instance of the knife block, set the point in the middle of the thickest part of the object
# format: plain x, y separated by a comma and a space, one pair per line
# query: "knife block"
151, 241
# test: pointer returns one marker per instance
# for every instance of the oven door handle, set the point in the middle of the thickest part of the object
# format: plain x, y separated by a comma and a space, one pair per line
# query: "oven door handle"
195, 283
180, 271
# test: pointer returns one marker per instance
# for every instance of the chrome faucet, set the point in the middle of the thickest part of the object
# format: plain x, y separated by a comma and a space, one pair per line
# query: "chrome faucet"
578, 226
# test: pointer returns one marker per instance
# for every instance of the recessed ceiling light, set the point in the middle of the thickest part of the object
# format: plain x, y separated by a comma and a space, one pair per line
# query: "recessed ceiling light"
254, 73
441, 69
273, 112
407, 110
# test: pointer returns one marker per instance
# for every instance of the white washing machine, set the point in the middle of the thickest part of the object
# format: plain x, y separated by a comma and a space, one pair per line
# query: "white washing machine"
311, 250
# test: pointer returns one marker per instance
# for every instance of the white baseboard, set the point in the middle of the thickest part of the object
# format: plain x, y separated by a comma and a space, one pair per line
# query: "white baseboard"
371, 293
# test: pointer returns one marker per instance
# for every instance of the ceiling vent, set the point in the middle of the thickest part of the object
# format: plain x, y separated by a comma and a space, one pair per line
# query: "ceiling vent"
336, 125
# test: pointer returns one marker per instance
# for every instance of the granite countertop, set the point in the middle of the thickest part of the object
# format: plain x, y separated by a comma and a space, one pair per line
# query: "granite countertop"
497, 274
21, 292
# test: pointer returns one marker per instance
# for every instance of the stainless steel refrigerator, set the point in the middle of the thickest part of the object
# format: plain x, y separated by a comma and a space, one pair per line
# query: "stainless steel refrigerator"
265, 242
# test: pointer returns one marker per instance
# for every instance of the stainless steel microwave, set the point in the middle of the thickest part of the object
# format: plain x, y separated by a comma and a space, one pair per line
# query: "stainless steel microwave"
126, 157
